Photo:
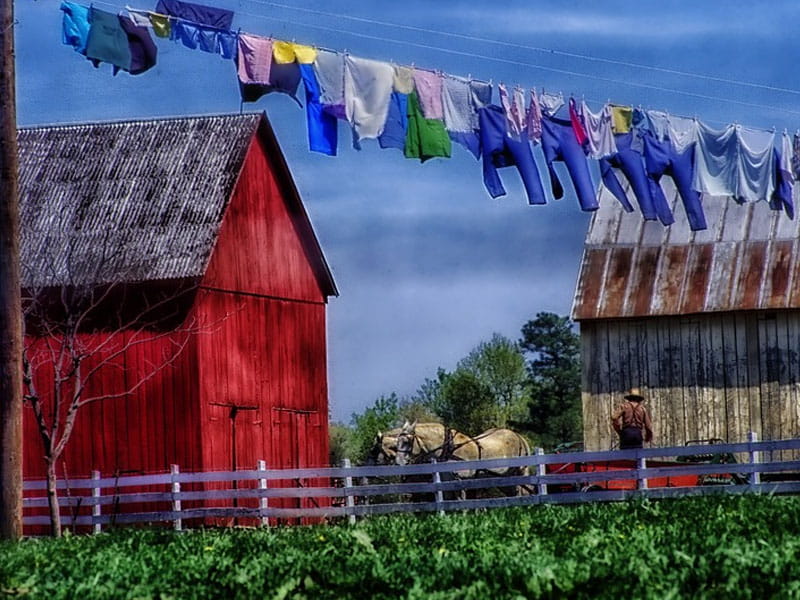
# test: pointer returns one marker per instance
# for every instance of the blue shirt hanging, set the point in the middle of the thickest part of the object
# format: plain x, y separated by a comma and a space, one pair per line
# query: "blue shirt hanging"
107, 40
75, 26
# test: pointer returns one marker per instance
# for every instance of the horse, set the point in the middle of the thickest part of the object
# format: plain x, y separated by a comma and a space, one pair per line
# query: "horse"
419, 442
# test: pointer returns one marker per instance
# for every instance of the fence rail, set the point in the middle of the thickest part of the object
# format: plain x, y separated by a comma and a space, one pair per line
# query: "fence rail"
261, 495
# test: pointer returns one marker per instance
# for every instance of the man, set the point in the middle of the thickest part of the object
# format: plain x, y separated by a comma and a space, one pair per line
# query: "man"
632, 422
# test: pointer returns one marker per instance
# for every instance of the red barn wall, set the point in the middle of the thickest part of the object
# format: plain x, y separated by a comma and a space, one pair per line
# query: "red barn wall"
144, 432
268, 354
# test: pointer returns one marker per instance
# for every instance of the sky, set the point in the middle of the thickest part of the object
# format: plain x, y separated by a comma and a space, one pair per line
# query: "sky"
428, 265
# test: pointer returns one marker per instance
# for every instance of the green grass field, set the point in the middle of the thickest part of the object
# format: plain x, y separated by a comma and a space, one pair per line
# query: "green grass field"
716, 547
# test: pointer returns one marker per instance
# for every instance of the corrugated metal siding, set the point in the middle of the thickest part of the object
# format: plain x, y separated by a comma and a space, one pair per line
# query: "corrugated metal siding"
747, 259
132, 201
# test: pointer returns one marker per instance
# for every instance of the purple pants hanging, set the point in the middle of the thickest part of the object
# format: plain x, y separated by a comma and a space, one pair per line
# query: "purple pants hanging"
560, 144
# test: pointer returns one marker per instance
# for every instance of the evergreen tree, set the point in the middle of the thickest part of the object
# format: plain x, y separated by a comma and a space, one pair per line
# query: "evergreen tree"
553, 347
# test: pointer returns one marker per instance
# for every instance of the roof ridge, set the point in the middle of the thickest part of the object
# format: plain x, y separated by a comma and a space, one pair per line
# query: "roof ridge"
142, 121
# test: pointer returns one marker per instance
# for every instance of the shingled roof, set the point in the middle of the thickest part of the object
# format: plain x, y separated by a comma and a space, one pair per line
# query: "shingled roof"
133, 201
747, 259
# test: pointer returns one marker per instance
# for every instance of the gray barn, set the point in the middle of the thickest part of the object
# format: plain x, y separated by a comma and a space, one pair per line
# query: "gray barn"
707, 322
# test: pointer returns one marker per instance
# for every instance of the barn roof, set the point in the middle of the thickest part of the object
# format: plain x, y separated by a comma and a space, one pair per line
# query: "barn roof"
137, 201
747, 259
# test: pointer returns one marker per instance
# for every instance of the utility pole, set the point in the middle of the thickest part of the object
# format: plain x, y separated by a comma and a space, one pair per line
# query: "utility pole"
10, 303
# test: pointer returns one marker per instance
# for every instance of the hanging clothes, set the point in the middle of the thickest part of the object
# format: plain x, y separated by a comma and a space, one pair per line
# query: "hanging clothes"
500, 150
796, 156
107, 41
460, 113
403, 80
395, 129
75, 26
599, 131
329, 69
367, 89
534, 119
185, 33
227, 44
162, 25
784, 177
661, 158
428, 85
560, 144
254, 59
621, 117
736, 162
630, 163
289, 52
142, 48
426, 138
196, 13
322, 134
551, 103
578, 126
514, 109
283, 79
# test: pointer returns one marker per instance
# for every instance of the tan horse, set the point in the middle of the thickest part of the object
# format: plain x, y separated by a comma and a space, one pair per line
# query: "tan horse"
419, 442
384, 447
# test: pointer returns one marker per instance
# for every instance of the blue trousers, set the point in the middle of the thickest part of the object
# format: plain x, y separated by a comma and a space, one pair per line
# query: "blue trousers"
661, 159
630, 163
499, 150
559, 144
782, 196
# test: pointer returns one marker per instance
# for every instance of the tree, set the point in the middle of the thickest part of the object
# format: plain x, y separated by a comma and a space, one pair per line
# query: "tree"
555, 413
77, 328
488, 388
382, 415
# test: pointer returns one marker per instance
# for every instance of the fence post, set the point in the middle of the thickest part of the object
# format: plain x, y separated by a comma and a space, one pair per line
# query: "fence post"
541, 471
641, 479
351, 501
176, 503
97, 527
755, 457
263, 501
438, 495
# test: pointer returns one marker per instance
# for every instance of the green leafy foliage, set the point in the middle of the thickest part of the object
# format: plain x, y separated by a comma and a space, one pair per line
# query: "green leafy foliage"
712, 547
555, 412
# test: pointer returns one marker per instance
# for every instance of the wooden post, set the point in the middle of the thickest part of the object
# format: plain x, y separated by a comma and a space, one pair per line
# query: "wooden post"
263, 502
437, 479
755, 458
351, 501
97, 527
641, 479
541, 471
10, 302
176, 502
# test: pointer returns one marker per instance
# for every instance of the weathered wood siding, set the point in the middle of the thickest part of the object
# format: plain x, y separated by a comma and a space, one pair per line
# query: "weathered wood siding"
714, 375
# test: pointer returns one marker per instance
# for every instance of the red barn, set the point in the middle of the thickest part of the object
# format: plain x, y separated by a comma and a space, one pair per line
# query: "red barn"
204, 204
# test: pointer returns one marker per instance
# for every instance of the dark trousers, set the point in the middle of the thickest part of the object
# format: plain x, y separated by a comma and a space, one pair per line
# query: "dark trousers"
630, 437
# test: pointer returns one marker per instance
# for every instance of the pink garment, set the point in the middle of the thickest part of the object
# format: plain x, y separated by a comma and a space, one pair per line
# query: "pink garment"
577, 124
429, 92
534, 119
514, 107
255, 59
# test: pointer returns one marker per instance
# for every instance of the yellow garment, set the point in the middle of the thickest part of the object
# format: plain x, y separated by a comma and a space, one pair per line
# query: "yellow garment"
621, 118
288, 52
403, 80
161, 26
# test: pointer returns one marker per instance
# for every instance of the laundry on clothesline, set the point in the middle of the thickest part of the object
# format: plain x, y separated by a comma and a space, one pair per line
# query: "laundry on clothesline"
423, 111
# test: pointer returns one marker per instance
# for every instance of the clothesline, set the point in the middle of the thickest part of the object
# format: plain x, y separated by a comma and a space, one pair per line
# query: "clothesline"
423, 111
551, 51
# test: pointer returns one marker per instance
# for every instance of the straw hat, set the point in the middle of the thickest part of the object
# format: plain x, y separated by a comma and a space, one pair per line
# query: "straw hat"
634, 394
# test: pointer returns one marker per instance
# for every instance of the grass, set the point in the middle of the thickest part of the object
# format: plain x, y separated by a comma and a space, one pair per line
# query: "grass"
705, 547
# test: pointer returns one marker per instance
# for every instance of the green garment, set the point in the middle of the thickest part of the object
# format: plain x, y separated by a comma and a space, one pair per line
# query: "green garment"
425, 138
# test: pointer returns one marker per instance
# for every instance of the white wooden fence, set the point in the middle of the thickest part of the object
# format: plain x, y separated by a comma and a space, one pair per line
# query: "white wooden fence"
259, 496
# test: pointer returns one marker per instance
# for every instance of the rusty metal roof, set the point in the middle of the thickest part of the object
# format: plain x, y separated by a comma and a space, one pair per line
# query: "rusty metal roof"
747, 259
